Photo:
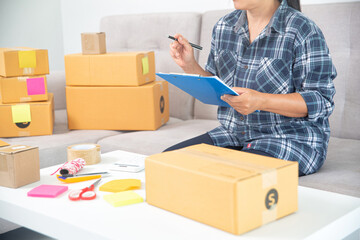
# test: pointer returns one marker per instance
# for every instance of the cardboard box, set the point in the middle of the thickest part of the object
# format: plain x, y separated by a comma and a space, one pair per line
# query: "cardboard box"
23, 89
19, 166
93, 43
110, 69
118, 108
23, 61
227, 189
27, 119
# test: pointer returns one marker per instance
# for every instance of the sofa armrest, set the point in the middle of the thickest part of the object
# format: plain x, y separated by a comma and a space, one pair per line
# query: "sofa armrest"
56, 85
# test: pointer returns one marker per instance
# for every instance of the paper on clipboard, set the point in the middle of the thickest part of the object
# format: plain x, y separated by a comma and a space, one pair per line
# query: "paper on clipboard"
206, 89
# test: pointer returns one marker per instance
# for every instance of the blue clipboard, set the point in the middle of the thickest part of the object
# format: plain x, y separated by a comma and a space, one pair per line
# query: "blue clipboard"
206, 89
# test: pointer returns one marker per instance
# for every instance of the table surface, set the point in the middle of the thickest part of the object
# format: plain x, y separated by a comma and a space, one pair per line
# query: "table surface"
321, 215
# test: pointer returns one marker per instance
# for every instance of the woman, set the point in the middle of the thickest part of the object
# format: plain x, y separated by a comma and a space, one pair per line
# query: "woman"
278, 61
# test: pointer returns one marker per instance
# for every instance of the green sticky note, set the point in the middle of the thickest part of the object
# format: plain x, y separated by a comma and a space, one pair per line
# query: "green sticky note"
21, 113
145, 65
27, 59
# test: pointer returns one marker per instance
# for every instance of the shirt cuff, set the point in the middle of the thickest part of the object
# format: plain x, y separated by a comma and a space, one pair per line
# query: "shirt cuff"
315, 104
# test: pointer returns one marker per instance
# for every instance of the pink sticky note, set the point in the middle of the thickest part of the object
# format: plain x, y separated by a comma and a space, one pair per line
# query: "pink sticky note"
48, 191
35, 86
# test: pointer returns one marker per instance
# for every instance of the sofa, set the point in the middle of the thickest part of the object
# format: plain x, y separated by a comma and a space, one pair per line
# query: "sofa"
340, 23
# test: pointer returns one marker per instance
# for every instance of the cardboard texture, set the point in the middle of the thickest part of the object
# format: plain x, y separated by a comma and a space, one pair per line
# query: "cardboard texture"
27, 119
93, 43
19, 166
23, 61
23, 89
227, 189
110, 69
118, 108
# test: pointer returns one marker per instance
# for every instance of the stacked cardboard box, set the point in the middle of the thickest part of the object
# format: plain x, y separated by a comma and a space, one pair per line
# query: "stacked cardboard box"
115, 91
26, 108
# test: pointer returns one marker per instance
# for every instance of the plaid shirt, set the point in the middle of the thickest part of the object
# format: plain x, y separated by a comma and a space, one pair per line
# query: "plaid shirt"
289, 55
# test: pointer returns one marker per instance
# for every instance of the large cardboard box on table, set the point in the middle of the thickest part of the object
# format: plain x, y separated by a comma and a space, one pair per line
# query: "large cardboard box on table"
19, 166
224, 188
144, 107
23, 61
27, 119
110, 69
23, 89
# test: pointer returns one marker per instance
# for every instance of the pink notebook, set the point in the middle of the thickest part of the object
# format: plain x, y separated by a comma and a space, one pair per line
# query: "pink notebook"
48, 191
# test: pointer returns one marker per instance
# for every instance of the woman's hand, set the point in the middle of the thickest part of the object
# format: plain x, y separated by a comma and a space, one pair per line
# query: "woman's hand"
247, 102
182, 53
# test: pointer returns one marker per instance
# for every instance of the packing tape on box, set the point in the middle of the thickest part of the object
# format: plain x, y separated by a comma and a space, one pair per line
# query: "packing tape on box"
268, 176
89, 152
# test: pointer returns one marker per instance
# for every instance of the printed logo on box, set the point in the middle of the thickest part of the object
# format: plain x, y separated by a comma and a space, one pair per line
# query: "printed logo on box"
271, 199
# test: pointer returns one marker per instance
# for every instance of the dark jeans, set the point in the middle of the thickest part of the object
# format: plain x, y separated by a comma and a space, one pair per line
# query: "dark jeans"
205, 138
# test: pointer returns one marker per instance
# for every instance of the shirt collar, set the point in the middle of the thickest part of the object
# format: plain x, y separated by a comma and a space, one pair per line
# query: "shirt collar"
277, 21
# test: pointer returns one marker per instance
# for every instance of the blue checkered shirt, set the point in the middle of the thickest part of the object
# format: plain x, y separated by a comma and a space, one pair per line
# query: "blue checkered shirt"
289, 55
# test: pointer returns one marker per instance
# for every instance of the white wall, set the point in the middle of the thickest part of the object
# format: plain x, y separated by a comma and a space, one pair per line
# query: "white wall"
57, 24
35, 23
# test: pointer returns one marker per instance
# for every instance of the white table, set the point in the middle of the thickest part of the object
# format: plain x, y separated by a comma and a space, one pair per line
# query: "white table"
321, 215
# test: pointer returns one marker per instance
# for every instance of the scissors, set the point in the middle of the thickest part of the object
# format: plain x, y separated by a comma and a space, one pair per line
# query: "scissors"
85, 193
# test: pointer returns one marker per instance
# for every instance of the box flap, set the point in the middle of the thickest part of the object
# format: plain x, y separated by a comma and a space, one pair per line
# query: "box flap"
2, 144
14, 149
228, 164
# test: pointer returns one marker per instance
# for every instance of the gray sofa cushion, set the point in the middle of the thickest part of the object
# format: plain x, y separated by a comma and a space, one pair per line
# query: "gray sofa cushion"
151, 142
149, 32
341, 170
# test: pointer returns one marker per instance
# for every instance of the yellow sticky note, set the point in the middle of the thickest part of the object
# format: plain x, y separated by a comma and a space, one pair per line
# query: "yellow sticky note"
21, 113
145, 65
27, 59
123, 198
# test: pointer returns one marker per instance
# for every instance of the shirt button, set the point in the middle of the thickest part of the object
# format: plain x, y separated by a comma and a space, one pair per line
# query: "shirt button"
246, 67
242, 118
243, 133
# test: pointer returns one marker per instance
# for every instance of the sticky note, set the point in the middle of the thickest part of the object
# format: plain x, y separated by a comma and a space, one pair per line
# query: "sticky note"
2, 144
35, 86
145, 65
123, 198
21, 113
120, 185
49, 191
27, 59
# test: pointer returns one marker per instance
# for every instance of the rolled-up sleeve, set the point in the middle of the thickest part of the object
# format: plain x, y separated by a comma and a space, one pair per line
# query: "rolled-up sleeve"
313, 73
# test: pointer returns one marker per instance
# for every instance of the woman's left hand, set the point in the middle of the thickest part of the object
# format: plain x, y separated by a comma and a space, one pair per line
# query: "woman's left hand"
247, 102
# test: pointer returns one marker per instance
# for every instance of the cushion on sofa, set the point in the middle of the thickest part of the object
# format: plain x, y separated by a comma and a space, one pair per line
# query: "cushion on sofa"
151, 142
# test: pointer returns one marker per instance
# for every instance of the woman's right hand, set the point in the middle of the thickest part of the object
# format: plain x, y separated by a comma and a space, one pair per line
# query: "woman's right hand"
182, 53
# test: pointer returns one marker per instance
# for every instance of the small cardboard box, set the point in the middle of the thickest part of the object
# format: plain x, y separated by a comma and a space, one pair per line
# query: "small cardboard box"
23, 61
23, 89
118, 108
110, 69
224, 188
19, 166
93, 43
27, 119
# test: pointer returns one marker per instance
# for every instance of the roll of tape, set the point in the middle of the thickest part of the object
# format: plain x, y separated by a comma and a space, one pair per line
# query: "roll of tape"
89, 152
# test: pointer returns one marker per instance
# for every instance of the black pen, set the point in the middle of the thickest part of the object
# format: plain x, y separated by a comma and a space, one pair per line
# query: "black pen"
191, 44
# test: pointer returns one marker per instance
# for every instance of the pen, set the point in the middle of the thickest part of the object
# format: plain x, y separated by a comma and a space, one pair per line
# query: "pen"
84, 174
191, 44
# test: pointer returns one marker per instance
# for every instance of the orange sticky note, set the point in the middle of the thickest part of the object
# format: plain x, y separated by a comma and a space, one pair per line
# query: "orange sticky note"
120, 185
21, 113
145, 65
27, 59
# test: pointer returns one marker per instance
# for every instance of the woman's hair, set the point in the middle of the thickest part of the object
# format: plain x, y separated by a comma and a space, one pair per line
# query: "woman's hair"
294, 4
